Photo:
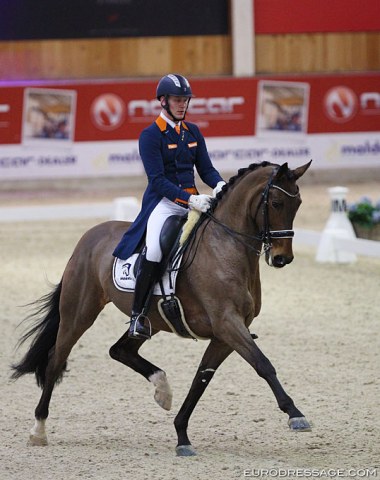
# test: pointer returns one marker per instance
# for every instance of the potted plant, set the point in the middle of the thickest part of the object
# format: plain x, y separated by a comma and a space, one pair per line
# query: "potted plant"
365, 218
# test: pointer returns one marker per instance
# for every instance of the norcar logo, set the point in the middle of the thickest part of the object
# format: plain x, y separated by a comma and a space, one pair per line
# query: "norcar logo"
108, 111
198, 106
341, 104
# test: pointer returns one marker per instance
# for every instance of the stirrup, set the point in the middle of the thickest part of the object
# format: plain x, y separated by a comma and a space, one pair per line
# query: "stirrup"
138, 329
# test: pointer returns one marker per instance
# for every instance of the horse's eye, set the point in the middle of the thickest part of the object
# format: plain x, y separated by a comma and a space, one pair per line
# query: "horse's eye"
277, 204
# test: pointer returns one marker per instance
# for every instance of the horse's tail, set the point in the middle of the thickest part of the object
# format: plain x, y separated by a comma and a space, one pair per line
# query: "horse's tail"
44, 330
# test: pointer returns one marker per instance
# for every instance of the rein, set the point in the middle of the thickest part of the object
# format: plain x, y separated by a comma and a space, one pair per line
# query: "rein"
266, 235
237, 235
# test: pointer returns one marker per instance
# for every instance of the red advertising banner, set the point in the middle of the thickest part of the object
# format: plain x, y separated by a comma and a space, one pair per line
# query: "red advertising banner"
309, 16
62, 113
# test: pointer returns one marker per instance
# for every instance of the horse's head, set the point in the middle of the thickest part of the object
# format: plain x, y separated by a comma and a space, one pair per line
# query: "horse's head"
274, 213
257, 208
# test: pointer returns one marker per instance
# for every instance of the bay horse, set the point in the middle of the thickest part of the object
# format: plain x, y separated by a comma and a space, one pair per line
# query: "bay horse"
219, 289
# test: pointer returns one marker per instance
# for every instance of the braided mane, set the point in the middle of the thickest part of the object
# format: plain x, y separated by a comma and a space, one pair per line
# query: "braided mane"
190, 234
232, 180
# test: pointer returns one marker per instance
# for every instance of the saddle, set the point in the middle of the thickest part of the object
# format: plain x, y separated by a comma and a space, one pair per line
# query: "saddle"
169, 305
169, 243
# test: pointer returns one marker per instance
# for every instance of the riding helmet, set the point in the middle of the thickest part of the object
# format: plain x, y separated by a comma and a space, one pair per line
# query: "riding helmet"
173, 84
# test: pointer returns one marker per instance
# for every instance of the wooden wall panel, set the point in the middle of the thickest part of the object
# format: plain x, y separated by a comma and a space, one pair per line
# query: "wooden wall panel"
113, 58
192, 56
327, 52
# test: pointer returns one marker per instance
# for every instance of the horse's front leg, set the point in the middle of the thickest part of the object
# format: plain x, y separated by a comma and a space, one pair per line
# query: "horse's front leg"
235, 333
126, 350
213, 357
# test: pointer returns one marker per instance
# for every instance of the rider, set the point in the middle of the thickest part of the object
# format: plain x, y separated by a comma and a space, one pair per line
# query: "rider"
169, 149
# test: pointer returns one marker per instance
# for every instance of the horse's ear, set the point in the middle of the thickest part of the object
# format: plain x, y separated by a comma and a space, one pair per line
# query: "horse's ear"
282, 170
298, 172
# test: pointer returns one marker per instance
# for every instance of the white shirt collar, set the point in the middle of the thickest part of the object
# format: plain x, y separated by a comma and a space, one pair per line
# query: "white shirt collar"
167, 120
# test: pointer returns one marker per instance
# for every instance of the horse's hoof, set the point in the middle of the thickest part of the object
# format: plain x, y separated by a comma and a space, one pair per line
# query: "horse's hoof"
163, 399
299, 424
163, 394
37, 441
185, 451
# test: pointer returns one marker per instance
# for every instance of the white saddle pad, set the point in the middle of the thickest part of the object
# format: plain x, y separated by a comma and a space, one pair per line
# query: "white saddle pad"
124, 278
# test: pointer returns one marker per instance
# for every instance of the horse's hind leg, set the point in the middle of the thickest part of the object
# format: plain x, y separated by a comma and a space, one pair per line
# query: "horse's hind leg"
77, 314
213, 357
125, 351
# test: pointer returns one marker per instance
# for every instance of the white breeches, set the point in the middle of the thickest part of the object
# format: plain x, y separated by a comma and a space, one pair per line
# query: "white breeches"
157, 218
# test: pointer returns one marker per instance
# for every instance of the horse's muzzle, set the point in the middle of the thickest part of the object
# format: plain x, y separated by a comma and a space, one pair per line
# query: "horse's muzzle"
280, 251
278, 261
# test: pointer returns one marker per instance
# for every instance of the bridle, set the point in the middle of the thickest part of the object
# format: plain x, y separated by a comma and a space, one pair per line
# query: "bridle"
266, 235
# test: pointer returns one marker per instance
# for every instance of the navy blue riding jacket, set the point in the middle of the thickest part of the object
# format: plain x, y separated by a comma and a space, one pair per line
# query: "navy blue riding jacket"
169, 159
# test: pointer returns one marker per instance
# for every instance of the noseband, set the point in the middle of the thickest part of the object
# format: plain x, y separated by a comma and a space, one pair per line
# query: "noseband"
266, 235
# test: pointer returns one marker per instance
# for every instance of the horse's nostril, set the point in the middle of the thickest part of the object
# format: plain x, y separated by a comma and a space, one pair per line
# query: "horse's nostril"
281, 260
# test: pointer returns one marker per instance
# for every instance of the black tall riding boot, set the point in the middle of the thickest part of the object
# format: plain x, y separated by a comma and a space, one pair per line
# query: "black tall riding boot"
146, 278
